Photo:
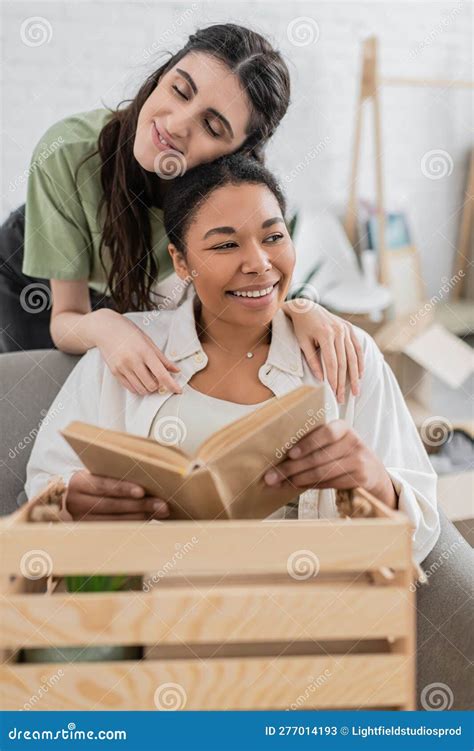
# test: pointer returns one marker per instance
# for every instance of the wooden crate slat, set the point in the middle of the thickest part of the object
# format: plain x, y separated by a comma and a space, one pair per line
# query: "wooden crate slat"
205, 614
359, 681
244, 546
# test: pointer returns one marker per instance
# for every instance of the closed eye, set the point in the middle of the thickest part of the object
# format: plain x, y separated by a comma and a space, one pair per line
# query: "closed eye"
180, 93
211, 130
207, 124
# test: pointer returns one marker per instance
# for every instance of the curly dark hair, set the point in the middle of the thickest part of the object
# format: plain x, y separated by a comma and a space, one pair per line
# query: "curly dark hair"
187, 193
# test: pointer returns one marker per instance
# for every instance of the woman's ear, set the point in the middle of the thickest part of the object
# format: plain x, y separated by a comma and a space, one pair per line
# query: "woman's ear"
179, 261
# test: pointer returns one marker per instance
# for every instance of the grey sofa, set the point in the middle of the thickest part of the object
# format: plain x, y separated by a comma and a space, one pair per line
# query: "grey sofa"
29, 381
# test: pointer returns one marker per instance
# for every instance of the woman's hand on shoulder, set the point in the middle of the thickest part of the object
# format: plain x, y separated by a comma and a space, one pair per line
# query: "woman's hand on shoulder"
94, 498
132, 356
323, 335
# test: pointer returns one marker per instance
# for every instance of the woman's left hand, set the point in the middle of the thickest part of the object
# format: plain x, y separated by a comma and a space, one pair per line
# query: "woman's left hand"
339, 347
334, 456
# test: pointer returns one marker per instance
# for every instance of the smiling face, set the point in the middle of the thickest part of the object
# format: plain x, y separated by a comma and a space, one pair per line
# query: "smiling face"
198, 108
240, 254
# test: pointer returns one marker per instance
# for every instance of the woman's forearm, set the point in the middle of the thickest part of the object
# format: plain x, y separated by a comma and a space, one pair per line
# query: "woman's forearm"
75, 333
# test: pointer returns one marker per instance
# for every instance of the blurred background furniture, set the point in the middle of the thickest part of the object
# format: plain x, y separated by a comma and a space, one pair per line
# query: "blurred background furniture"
328, 271
29, 383
371, 84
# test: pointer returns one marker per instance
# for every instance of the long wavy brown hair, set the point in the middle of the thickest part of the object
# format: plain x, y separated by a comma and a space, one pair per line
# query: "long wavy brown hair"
129, 190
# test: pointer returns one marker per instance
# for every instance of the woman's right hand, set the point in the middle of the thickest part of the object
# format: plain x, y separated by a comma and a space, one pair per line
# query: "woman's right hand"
132, 357
94, 498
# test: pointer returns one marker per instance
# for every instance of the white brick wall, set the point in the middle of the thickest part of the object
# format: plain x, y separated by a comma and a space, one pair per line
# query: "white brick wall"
98, 51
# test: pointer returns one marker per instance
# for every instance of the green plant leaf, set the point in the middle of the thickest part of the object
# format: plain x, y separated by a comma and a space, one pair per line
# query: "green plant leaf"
96, 583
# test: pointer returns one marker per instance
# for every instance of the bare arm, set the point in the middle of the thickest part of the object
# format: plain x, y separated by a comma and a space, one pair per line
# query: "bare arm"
74, 326
132, 356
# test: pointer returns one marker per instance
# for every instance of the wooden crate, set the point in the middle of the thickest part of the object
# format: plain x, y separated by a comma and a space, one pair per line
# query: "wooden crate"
238, 615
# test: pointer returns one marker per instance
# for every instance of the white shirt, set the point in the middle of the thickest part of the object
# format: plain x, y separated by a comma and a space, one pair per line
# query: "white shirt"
379, 414
185, 420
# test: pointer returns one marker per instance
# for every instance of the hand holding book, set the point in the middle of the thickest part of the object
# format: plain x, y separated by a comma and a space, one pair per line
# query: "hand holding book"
94, 498
334, 456
225, 477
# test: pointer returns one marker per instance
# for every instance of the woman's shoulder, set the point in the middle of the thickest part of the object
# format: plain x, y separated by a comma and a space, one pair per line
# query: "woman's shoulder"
71, 138
372, 354
155, 323
367, 342
81, 127
373, 361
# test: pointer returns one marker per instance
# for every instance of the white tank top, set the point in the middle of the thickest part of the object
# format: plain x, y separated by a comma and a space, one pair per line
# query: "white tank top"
186, 420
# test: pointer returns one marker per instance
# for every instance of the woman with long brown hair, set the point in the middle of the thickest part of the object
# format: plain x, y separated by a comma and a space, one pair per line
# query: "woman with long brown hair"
90, 243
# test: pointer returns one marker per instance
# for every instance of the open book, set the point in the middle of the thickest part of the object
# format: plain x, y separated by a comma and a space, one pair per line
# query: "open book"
224, 479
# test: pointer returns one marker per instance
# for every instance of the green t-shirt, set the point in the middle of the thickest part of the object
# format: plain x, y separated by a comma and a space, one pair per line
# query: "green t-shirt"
62, 235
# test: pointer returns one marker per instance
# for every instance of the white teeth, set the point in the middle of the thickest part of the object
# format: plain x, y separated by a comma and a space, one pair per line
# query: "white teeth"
254, 292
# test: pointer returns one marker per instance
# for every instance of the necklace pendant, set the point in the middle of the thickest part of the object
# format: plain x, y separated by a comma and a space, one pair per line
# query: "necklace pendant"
249, 355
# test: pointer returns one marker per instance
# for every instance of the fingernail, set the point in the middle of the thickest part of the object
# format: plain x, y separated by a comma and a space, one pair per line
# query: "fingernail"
271, 478
161, 507
294, 453
137, 492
